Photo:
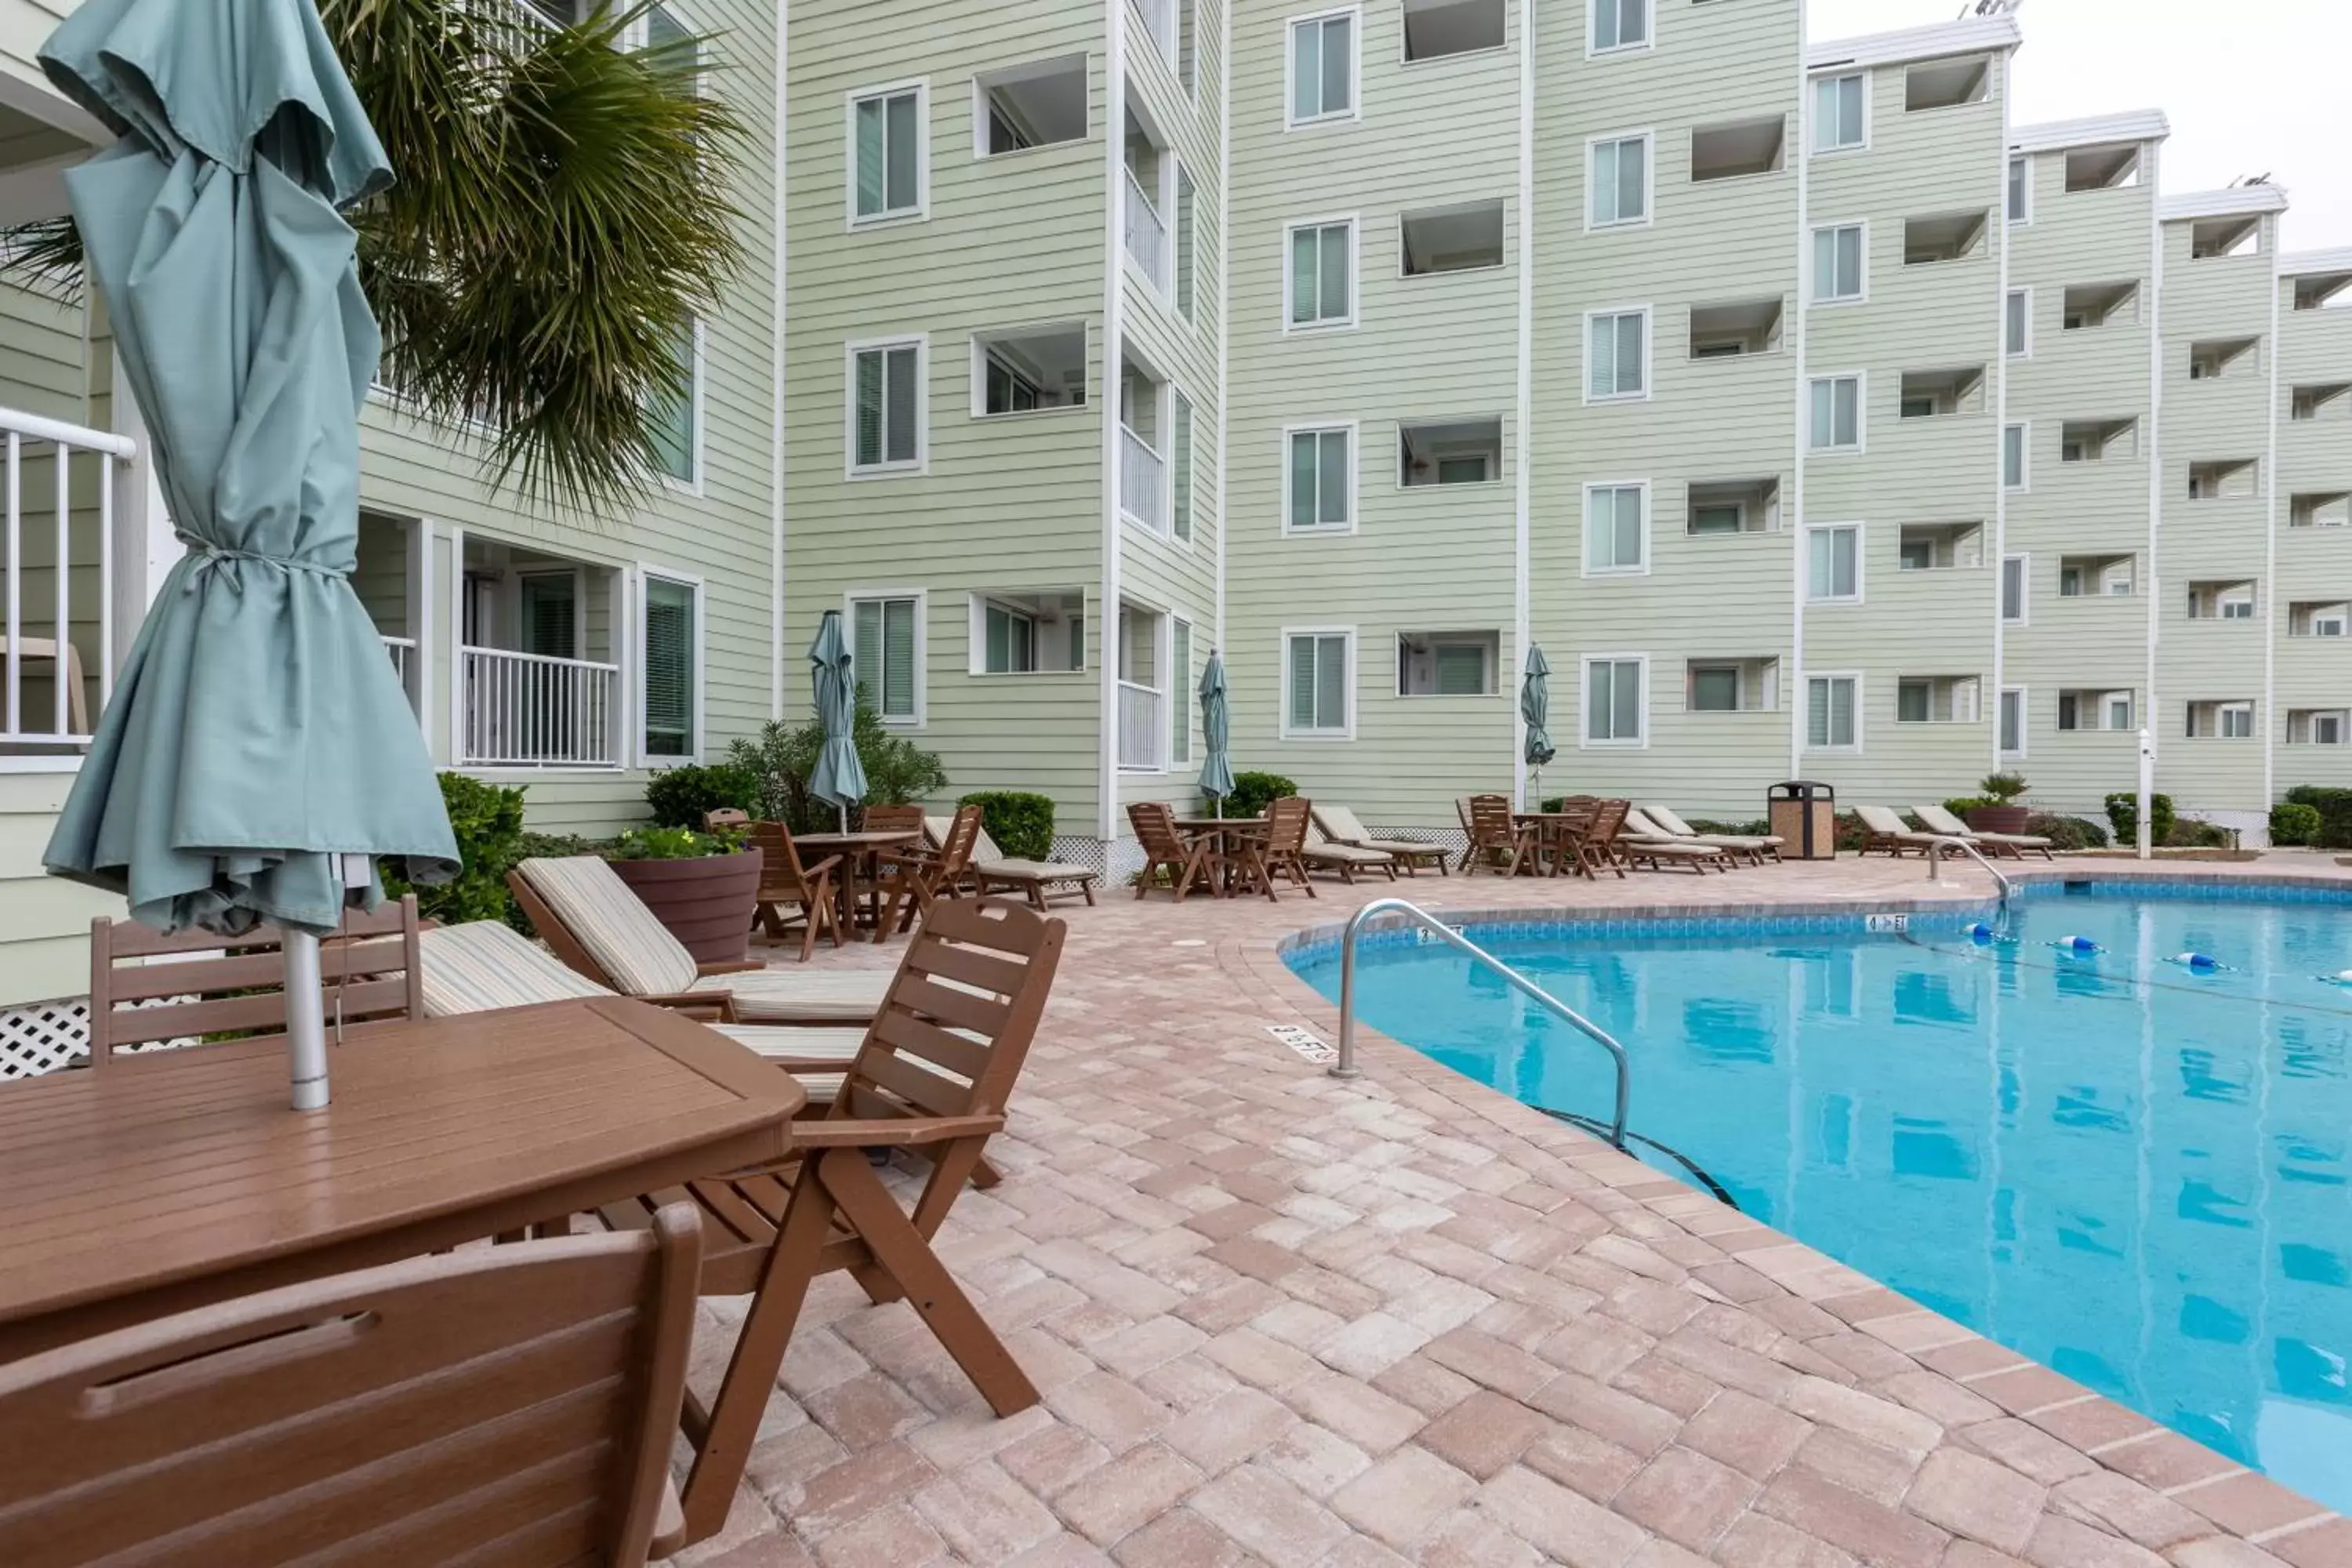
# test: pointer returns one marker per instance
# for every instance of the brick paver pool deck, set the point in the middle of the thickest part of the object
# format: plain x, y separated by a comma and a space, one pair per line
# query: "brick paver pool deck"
1279, 1318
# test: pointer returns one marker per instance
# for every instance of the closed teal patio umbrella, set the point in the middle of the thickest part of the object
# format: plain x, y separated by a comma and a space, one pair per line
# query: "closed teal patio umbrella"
1535, 708
839, 778
258, 753
1216, 733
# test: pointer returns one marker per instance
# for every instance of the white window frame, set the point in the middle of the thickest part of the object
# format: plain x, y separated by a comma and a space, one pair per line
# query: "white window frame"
977, 605
921, 211
2025, 349
1180, 689
1649, 352
1648, 138
1861, 379
1584, 740
1642, 489
921, 343
2016, 159
851, 599
1814, 117
1355, 110
636, 684
2024, 616
1490, 650
1854, 747
1861, 559
2024, 719
697, 450
1592, 49
1814, 299
1355, 278
983, 339
2025, 456
1355, 478
1290, 731
2222, 712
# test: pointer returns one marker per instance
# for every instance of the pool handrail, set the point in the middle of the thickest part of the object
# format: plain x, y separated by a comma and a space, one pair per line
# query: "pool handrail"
1936, 860
1346, 1065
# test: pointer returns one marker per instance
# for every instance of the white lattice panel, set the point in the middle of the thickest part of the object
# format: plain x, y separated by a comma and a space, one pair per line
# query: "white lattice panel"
42, 1036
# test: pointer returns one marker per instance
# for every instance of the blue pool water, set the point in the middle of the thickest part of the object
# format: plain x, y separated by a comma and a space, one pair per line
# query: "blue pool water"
2130, 1171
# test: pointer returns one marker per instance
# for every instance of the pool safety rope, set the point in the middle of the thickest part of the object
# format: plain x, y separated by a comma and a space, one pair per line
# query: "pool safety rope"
1601, 1129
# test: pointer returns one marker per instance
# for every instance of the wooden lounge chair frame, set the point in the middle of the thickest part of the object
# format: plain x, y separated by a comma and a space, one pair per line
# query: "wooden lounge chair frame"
933, 1077
1323, 853
1889, 833
992, 870
1189, 866
508, 1404
1758, 847
1340, 826
567, 947
784, 881
2012, 845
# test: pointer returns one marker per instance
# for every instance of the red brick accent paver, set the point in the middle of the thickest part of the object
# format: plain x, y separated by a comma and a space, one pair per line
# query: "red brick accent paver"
1279, 1318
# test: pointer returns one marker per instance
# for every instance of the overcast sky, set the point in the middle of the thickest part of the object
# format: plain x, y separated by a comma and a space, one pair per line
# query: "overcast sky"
2250, 85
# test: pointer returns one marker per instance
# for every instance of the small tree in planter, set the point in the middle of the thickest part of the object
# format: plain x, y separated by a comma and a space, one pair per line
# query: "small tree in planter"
702, 887
1999, 812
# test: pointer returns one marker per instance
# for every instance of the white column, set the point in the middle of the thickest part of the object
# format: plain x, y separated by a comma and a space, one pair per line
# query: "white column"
144, 548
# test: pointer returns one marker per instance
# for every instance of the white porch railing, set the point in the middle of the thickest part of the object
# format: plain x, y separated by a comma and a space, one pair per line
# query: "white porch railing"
406, 667
1146, 234
1160, 21
1143, 481
1142, 728
527, 711
56, 581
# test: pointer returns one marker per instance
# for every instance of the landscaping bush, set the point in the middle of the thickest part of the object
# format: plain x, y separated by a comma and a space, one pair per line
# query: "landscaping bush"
2123, 813
1961, 807
780, 758
1761, 828
679, 796
2066, 833
1253, 792
672, 844
2196, 833
1850, 834
2293, 823
2003, 789
1020, 824
2334, 808
557, 846
487, 821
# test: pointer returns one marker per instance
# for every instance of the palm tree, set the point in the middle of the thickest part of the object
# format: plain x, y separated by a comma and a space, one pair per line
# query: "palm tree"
558, 219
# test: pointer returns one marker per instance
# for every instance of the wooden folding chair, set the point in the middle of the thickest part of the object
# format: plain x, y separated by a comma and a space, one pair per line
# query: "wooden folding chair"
195, 986
1595, 849
1282, 847
1497, 841
1164, 848
933, 1077
890, 819
784, 881
917, 879
510, 1404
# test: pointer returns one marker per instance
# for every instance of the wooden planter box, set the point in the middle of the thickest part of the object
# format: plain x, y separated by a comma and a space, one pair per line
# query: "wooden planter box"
1999, 819
705, 903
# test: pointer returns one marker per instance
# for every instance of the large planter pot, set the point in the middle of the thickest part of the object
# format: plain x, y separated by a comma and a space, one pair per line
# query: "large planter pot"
1999, 819
705, 903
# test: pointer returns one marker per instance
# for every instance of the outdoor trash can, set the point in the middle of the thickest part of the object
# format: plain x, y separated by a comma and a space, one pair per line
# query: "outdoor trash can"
1804, 817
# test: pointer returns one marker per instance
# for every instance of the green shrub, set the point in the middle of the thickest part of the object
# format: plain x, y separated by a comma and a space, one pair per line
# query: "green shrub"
2066, 833
2196, 833
558, 845
1552, 803
672, 844
1253, 793
2293, 823
1757, 827
780, 758
487, 821
2123, 813
2334, 808
1966, 804
1019, 824
680, 796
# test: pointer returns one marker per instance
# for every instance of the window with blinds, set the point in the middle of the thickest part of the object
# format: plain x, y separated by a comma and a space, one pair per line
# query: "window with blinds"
1616, 354
551, 614
1838, 107
1322, 494
1322, 274
1012, 641
1613, 702
1316, 691
1179, 701
1322, 67
1832, 720
675, 415
1614, 531
1833, 563
1838, 255
884, 655
671, 611
886, 172
1618, 178
1836, 422
1179, 466
886, 393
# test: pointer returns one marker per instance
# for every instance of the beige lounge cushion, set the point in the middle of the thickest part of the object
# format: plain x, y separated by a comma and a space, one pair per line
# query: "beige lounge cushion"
1035, 871
483, 965
612, 924
820, 996
1340, 824
1674, 846
792, 1043
1880, 820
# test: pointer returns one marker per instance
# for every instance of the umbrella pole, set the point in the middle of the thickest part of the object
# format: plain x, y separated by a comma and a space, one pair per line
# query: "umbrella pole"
306, 1024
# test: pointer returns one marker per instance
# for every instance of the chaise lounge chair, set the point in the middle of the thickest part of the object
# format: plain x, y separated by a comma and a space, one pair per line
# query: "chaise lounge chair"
992, 869
2013, 845
1645, 842
1757, 847
596, 925
1338, 824
1887, 832
1322, 853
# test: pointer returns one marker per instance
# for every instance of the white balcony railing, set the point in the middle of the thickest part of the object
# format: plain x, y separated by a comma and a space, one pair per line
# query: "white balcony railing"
406, 667
1142, 728
1143, 481
527, 711
57, 582
1160, 21
1146, 234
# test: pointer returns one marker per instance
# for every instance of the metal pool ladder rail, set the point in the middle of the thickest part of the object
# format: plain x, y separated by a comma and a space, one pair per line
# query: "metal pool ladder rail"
1935, 860
1346, 1065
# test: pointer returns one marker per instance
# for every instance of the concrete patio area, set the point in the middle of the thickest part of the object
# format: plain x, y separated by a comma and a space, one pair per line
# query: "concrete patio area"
1279, 1318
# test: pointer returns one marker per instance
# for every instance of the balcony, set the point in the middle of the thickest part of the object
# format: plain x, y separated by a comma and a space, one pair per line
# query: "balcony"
1145, 232
528, 711
1142, 483
1159, 18
58, 622
1142, 728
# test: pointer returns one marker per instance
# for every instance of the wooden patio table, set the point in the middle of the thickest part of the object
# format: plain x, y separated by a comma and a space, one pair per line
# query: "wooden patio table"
183, 1179
1228, 848
859, 852
1555, 831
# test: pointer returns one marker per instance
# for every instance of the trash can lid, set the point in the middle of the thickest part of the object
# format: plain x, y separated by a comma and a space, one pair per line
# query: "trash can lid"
1801, 789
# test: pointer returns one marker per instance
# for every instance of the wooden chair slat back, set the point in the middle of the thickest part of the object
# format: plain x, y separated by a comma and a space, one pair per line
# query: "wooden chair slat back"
955, 850
780, 858
1490, 821
1009, 953
891, 819
724, 818
372, 971
1286, 820
1607, 821
411, 1413
1154, 822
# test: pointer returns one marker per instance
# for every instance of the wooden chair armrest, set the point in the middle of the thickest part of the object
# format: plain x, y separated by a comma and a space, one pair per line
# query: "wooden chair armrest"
719, 1004
729, 967
892, 1132
821, 868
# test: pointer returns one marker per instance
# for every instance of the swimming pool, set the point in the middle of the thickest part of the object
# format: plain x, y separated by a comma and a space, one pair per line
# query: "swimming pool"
2130, 1170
